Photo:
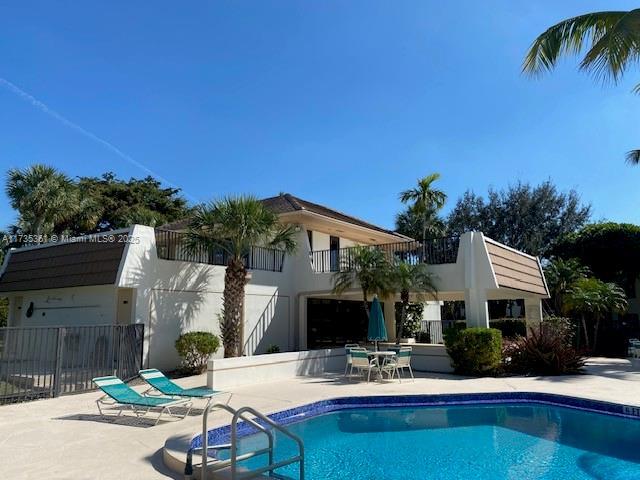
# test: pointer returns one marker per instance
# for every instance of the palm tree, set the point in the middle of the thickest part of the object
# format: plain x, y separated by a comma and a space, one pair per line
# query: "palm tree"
234, 225
613, 46
593, 297
424, 202
410, 280
370, 269
44, 198
561, 275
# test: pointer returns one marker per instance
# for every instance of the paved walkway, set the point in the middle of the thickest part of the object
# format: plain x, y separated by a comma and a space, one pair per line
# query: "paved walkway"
63, 438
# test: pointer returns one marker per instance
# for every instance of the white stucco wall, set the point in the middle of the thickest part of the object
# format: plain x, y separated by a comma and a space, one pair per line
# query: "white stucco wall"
174, 297
93, 305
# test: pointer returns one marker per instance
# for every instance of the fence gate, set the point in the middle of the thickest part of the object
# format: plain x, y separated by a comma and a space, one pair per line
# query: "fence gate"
43, 362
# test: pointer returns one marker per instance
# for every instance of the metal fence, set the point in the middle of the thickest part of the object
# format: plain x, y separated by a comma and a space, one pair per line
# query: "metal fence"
43, 362
433, 251
172, 245
431, 331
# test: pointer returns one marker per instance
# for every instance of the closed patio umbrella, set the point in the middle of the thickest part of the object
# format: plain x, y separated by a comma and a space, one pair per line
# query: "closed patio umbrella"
377, 331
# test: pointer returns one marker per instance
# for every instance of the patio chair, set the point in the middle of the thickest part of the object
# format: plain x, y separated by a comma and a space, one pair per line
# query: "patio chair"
122, 394
361, 363
160, 383
397, 364
347, 352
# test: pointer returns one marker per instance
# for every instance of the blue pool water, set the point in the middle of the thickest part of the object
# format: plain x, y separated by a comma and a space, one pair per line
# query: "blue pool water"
485, 442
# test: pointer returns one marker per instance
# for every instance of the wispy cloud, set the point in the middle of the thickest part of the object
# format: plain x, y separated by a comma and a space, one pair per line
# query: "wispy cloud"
86, 133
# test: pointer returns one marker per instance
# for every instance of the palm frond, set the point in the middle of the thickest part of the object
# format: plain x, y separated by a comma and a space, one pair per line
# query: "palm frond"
633, 157
603, 29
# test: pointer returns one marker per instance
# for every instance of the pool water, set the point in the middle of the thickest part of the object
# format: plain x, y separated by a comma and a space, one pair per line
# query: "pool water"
506, 441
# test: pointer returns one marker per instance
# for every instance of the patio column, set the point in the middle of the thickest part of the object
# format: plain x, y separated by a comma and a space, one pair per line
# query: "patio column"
390, 318
533, 312
476, 308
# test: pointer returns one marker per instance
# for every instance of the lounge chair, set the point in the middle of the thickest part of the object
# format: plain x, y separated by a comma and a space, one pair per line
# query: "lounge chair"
122, 394
360, 361
159, 382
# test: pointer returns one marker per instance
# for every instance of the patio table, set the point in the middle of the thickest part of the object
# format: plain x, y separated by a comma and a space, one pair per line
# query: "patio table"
381, 355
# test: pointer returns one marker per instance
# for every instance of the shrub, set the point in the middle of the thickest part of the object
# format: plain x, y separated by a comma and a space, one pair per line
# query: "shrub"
412, 325
474, 351
548, 350
195, 348
273, 349
510, 327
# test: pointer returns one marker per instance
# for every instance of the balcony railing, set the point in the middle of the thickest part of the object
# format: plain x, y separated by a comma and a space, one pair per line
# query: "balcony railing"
433, 251
172, 246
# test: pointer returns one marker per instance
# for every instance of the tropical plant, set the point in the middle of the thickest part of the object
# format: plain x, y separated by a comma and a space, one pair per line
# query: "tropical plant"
370, 269
43, 197
410, 280
613, 39
195, 348
234, 225
547, 350
561, 276
412, 224
525, 217
424, 201
590, 297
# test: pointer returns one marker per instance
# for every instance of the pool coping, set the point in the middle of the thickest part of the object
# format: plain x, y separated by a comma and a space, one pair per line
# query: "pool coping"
220, 435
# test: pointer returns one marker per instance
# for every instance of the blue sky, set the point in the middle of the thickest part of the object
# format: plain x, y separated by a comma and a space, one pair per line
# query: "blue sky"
342, 103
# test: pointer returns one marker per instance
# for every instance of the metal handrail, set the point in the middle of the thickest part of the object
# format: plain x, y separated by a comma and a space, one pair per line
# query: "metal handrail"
241, 414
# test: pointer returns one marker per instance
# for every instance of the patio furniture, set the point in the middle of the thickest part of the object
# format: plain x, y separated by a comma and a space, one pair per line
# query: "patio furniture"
122, 394
633, 348
361, 363
397, 363
347, 351
159, 382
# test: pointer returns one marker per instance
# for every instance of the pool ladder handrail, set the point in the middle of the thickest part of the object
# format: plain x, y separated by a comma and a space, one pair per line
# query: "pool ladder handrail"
245, 414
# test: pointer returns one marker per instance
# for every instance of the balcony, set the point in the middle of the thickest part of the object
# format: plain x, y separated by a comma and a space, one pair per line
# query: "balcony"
433, 251
171, 245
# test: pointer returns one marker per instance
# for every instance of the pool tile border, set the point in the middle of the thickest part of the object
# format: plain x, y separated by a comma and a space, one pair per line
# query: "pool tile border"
221, 435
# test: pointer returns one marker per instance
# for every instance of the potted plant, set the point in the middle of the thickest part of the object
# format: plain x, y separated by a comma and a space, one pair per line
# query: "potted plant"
411, 326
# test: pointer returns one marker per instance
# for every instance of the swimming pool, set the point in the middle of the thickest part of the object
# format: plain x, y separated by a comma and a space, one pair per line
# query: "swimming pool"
517, 436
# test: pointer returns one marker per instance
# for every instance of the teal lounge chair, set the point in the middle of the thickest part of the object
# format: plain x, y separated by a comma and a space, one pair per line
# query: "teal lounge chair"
158, 381
122, 394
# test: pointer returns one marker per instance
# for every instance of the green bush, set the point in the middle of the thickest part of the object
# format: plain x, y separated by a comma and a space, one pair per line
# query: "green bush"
195, 348
4, 311
510, 327
474, 351
273, 349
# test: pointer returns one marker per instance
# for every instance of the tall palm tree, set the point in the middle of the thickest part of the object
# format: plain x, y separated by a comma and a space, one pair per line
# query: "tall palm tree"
595, 298
613, 40
410, 280
424, 201
368, 268
561, 275
44, 198
234, 225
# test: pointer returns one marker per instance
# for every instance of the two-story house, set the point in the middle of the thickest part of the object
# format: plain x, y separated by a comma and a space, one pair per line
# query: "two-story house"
145, 276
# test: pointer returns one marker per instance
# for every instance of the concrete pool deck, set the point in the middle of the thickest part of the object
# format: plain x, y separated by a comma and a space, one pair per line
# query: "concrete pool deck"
64, 438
